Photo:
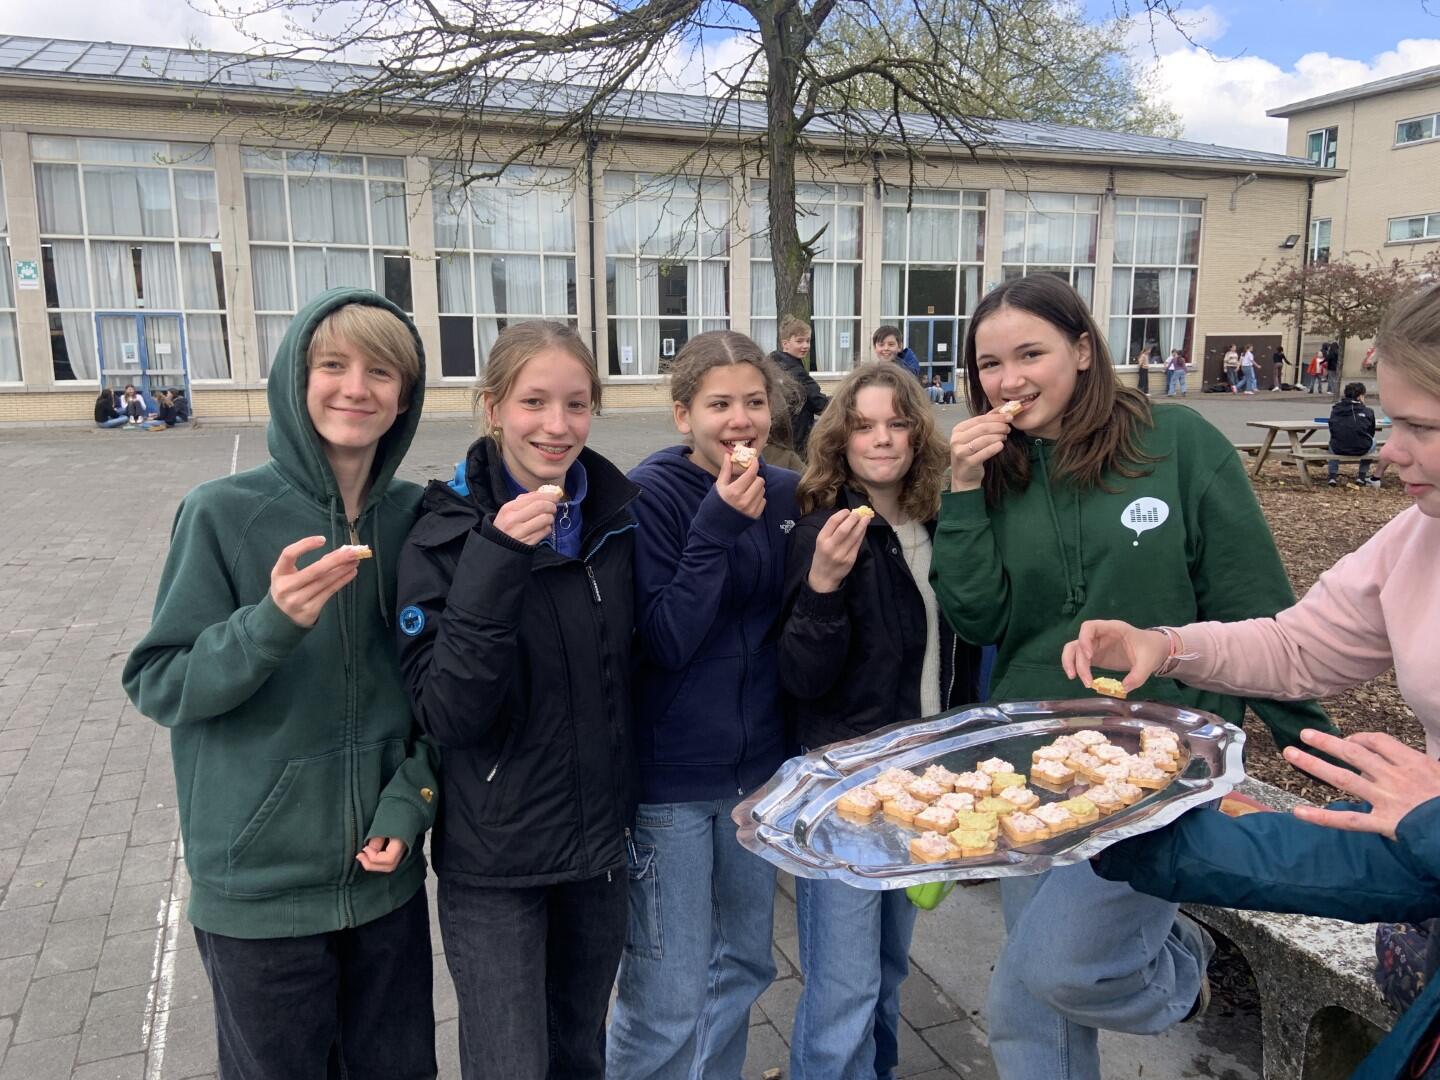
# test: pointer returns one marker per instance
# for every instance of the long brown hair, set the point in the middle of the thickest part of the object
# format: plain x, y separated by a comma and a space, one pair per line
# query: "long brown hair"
717, 348
1100, 428
515, 346
828, 470
1409, 338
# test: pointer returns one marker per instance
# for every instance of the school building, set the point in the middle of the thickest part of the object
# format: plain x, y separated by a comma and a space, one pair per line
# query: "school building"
162, 215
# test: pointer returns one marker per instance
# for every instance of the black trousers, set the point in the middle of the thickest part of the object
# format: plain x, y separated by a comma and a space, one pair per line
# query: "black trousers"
533, 969
353, 1004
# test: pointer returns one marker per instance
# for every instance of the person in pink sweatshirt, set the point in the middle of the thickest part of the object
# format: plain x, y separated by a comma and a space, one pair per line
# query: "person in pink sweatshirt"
1377, 860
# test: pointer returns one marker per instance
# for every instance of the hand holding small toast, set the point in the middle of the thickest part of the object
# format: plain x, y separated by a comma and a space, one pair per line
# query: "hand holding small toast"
836, 548
1117, 646
974, 442
742, 489
301, 594
528, 518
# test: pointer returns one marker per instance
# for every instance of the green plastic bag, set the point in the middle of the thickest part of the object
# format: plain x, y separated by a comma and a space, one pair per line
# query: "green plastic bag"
927, 897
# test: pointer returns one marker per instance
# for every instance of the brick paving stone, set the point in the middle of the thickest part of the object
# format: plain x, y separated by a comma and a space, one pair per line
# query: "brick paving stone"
963, 1047
190, 1043
90, 752
78, 778
154, 826
96, 854
14, 980
106, 819
11, 760
48, 1059
766, 1050
779, 1002
22, 930
110, 1037
127, 758
72, 946
127, 960
131, 1001
34, 885
18, 738
130, 1067
65, 810
148, 863
83, 897
50, 845
6, 1026
119, 785
923, 1003
139, 907
55, 1006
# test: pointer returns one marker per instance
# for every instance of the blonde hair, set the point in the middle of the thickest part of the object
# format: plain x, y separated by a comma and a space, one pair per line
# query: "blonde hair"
829, 468
1408, 340
378, 333
516, 346
719, 348
793, 326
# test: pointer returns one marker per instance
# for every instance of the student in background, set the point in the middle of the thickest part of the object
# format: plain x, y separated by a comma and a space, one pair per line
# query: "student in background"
107, 413
807, 400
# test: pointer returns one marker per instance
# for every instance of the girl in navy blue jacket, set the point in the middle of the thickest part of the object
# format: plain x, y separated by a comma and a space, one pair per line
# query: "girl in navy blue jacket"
709, 572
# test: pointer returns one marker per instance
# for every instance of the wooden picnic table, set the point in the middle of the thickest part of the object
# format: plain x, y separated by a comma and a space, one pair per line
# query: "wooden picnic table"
1299, 432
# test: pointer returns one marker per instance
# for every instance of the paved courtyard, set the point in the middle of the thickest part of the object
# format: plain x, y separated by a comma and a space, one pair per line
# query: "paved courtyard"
99, 976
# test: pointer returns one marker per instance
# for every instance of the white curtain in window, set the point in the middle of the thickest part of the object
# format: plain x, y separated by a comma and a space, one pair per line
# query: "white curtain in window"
651, 222
891, 294
1085, 284
847, 232
762, 289
893, 241
1013, 250
1190, 240
969, 289
559, 286
822, 289
620, 236
451, 211
1184, 289
114, 266
1050, 238
265, 207
1120, 340
454, 277
318, 269
519, 226
846, 277
205, 339
270, 329
627, 295
58, 190
1124, 240
487, 330
648, 359
714, 228
128, 202
270, 275
326, 210
7, 293
813, 218
1167, 293
195, 204
523, 295
387, 214
557, 214
1120, 293
78, 328
1087, 233
972, 236
485, 285
934, 235
197, 271
160, 277
763, 331
9, 349
714, 302
1157, 240
70, 281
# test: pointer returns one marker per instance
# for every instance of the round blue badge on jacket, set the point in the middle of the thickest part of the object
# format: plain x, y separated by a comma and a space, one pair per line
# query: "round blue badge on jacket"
412, 620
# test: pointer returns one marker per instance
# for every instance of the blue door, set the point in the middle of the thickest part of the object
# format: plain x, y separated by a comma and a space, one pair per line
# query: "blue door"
146, 349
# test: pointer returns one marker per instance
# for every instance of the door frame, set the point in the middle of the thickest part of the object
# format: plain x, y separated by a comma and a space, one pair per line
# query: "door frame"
927, 363
142, 349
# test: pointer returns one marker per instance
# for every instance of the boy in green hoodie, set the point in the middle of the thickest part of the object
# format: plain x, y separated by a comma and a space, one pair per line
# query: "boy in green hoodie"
303, 789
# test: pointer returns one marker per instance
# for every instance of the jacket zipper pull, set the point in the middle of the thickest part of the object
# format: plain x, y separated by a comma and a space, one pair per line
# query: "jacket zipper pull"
594, 585
630, 848
354, 532
493, 770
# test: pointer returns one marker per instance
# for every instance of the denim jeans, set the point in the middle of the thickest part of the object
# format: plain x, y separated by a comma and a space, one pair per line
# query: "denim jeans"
1082, 954
1248, 380
533, 967
1175, 383
324, 1005
1332, 467
698, 953
854, 952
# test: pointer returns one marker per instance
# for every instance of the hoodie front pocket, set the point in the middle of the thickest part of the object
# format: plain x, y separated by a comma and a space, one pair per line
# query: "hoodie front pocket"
297, 837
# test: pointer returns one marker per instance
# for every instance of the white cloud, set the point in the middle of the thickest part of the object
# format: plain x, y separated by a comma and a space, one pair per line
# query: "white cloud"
1224, 101
139, 22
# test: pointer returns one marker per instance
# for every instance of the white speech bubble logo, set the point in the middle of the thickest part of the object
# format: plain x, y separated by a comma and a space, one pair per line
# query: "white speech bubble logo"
1144, 514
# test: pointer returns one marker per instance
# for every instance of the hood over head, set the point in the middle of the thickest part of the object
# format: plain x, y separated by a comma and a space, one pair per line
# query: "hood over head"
294, 444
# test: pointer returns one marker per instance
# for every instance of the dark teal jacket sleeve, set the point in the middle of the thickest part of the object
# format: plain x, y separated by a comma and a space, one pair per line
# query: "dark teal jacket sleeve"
1276, 862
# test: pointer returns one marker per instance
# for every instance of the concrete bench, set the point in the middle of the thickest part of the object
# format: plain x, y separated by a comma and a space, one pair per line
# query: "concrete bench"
1320, 1010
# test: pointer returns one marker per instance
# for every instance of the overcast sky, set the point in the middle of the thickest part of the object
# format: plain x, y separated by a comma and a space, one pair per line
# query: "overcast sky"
1242, 56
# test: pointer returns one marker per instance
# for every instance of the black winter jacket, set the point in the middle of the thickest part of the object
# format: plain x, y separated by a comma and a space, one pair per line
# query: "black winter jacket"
1352, 428
812, 399
851, 660
518, 664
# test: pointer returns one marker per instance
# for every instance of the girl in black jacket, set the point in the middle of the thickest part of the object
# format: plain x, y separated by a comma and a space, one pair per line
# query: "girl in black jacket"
515, 628
863, 647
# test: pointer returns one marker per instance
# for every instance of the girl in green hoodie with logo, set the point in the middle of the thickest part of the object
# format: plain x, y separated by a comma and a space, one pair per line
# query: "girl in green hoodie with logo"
303, 790
1088, 502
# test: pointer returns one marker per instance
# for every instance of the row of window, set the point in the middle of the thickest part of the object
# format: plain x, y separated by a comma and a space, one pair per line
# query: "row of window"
1320, 144
132, 228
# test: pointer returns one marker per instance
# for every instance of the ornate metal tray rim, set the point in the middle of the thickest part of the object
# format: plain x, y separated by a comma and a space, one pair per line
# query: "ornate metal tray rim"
776, 821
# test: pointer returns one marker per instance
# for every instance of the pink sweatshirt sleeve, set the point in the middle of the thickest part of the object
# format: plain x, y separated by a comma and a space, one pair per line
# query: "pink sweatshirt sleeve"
1333, 638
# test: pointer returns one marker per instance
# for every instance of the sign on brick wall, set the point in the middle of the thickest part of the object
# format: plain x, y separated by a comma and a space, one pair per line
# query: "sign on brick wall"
27, 274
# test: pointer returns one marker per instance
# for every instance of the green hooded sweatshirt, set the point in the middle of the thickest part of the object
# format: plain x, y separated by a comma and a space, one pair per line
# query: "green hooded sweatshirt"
1184, 543
291, 746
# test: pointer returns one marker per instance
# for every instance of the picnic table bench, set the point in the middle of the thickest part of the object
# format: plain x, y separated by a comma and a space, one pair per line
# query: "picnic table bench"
1299, 453
1320, 1009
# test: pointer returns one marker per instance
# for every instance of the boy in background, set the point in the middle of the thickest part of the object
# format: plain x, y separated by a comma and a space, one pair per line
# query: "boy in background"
303, 790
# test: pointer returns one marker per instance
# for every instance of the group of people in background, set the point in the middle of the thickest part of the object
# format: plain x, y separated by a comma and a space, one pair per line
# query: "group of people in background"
600, 666
132, 409
1175, 367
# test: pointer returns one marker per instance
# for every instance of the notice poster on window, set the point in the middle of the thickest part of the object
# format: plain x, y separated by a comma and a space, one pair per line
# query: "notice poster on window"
844, 340
942, 346
667, 346
127, 352
627, 355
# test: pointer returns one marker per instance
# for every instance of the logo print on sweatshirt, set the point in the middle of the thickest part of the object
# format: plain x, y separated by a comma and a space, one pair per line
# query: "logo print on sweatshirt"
787, 525
1142, 515
412, 620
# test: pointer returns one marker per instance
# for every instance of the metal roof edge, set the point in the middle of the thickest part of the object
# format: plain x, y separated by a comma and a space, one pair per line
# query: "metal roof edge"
1390, 84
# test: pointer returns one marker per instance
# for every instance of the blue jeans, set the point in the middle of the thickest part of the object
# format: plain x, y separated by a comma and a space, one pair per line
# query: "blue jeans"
854, 951
119, 421
1248, 380
1082, 954
698, 952
1175, 383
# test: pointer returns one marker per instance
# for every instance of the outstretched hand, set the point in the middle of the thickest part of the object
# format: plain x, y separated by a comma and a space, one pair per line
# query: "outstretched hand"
1393, 778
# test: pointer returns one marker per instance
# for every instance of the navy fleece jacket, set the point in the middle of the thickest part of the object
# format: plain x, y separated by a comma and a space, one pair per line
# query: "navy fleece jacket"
708, 586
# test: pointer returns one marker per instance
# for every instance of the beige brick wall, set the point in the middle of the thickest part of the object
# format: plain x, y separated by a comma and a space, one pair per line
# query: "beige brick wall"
1233, 242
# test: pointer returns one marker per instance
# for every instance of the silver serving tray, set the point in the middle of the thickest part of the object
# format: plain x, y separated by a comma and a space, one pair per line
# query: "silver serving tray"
791, 820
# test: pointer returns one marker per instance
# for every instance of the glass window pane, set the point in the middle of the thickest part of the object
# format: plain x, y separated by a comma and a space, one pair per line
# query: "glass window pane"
1087, 237
934, 235
131, 151
254, 158
1120, 293
199, 270
892, 244
265, 208
451, 212
196, 206
392, 278
1124, 239
57, 187
385, 166
457, 347
1189, 241
557, 210
1125, 204
270, 278
1193, 206
207, 347
1014, 242
388, 219
53, 147
560, 287
128, 202
1159, 206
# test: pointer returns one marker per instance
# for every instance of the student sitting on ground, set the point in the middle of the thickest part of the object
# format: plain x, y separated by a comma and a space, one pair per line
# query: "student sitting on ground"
304, 792
1352, 433
107, 414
